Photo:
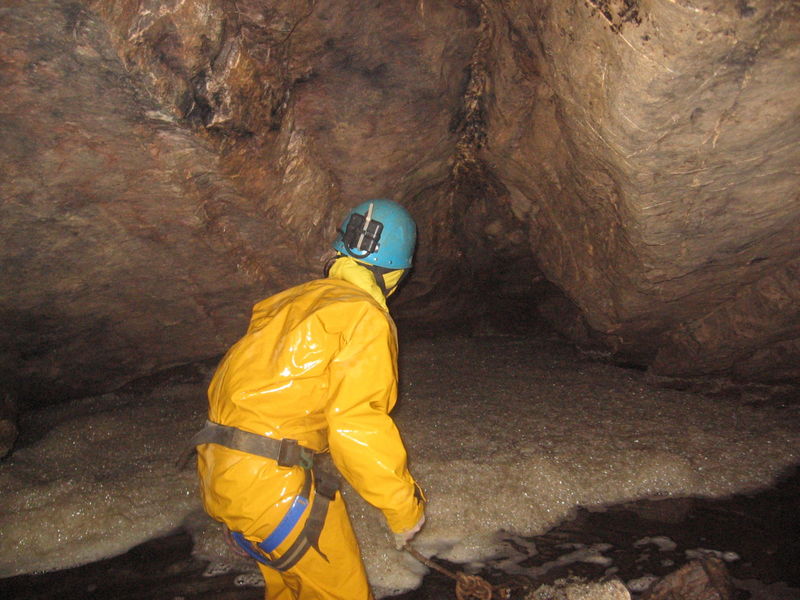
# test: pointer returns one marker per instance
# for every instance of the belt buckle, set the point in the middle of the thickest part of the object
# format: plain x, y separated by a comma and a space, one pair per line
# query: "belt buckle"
287, 453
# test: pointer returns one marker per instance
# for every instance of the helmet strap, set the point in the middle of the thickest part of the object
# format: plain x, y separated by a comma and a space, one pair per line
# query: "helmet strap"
378, 273
326, 269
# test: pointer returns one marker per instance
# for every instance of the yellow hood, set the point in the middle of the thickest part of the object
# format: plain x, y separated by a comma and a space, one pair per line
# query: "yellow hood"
349, 269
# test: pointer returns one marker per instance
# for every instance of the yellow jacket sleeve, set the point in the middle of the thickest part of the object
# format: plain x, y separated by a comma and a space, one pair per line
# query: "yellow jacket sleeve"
364, 442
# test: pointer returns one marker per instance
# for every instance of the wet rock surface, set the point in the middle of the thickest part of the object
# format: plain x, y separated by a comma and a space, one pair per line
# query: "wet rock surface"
629, 166
656, 547
113, 218
646, 157
705, 579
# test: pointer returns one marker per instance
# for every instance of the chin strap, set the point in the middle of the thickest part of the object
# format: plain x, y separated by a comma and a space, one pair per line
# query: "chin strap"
388, 279
378, 282
378, 273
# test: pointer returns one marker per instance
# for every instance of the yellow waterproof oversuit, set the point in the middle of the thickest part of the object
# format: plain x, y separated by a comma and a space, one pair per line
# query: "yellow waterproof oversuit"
318, 364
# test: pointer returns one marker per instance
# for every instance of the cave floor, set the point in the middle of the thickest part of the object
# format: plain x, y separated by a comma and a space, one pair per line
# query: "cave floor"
756, 535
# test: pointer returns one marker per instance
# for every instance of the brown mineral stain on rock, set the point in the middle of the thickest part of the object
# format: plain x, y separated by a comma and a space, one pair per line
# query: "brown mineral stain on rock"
166, 164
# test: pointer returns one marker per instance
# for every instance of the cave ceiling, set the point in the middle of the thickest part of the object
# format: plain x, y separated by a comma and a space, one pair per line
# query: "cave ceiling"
628, 169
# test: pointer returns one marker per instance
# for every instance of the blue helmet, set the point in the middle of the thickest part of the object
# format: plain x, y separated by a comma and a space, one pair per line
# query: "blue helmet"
378, 232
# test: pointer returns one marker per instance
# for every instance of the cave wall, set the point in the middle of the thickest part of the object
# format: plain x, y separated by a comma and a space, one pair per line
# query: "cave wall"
115, 255
652, 148
166, 164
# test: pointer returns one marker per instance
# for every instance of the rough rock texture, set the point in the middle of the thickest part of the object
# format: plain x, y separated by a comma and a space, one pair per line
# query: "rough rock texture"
613, 589
8, 424
705, 579
119, 233
655, 161
628, 167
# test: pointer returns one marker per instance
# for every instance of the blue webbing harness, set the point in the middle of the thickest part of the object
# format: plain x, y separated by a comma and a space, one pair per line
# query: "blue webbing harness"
287, 453
284, 528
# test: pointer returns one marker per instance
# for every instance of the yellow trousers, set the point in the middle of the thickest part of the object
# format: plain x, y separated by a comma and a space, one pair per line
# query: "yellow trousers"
341, 577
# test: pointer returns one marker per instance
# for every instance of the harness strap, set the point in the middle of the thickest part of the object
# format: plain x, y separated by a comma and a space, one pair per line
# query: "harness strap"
290, 519
325, 491
287, 452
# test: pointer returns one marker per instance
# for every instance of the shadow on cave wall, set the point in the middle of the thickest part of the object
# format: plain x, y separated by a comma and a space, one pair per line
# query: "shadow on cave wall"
163, 170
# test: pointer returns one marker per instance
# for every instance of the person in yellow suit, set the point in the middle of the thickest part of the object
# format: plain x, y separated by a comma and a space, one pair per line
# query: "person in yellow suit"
315, 372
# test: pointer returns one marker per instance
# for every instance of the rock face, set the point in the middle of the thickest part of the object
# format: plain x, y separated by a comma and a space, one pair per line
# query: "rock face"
705, 579
613, 589
8, 424
664, 142
116, 256
167, 164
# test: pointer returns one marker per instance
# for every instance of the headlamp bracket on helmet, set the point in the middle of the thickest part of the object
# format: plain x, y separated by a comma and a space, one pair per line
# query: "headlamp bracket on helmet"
379, 232
362, 234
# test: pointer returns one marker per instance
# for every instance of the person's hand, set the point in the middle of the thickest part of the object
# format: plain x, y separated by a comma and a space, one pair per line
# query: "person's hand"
402, 538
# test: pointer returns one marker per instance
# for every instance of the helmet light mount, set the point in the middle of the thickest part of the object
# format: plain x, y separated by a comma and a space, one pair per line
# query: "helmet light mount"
362, 235
379, 232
